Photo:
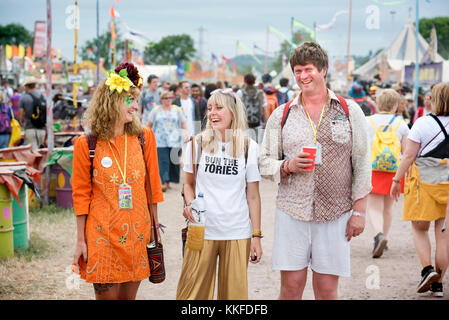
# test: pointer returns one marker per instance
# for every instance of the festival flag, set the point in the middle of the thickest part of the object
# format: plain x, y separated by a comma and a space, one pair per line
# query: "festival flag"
15, 51
297, 24
332, 22
179, 69
230, 61
8, 51
215, 60
58, 54
281, 36
29, 52
433, 45
21, 51
248, 51
114, 14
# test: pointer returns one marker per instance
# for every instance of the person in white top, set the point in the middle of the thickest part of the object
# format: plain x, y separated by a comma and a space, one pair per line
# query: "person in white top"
427, 152
379, 208
228, 177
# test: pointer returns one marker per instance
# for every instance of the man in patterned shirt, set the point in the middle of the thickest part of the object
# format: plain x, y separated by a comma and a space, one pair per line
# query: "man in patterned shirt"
318, 211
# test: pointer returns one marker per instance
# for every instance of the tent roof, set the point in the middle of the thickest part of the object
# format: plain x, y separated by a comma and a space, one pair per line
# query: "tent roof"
400, 53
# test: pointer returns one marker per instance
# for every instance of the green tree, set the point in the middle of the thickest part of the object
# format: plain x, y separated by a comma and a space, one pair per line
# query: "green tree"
169, 49
15, 33
89, 50
442, 27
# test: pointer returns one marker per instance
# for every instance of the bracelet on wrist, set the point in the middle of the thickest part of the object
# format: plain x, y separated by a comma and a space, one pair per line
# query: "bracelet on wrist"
256, 234
358, 214
396, 180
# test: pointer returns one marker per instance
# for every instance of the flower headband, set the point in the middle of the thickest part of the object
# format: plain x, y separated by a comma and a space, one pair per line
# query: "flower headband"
123, 77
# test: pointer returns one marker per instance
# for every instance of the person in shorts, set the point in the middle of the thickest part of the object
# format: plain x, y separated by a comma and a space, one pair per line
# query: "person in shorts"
318, 211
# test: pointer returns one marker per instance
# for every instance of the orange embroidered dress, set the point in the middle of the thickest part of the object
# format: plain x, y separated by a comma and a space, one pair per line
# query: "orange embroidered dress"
116, 238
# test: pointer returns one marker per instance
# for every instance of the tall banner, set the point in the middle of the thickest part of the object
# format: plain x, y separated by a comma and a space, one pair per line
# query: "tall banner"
40, 33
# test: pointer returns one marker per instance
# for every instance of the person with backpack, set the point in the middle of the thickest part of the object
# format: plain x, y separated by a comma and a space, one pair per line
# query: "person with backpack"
168, 123
322, 196
226, 173
358, 95
110, 189
32, 115
387, 134
426, 188
285, 94
5, 121
255, 104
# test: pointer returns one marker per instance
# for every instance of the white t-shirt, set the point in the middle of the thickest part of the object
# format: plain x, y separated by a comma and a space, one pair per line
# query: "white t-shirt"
426, 131
187, 106
222, 180
382, 119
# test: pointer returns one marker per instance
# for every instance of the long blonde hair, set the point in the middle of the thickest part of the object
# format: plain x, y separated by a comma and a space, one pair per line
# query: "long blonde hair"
104, 112
210, 139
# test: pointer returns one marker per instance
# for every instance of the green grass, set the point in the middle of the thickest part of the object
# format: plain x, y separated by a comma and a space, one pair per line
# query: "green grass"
38, 248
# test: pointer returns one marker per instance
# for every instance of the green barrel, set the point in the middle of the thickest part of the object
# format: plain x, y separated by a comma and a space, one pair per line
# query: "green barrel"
20, 220
6, 225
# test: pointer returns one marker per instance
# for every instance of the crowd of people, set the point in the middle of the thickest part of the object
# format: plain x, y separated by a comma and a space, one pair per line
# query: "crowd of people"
338, 158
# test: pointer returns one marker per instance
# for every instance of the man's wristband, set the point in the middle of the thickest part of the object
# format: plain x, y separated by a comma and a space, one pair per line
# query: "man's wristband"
396, 180
358, 214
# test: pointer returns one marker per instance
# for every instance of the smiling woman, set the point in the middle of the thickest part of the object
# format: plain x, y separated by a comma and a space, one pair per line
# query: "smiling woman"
109, 190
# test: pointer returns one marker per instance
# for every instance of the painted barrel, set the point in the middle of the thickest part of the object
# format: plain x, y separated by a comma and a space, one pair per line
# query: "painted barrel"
6, 224
63, 188
20, 221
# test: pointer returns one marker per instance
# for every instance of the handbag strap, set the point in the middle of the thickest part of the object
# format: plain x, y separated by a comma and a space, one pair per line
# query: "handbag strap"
148, 182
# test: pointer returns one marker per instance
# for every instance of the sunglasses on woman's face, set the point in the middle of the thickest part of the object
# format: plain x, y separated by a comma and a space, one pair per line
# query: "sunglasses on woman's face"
166, 98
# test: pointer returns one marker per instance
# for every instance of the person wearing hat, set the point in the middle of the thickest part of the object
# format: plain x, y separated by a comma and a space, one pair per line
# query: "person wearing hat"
358, 95
32, 134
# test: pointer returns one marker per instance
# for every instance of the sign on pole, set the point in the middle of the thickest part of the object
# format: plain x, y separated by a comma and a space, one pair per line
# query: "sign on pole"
40, 33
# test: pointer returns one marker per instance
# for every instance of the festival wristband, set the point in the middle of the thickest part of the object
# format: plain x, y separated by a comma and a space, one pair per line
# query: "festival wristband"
396, 180
358, 214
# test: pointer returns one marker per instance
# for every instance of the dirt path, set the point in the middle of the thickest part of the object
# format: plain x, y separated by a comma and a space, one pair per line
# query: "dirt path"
47, 277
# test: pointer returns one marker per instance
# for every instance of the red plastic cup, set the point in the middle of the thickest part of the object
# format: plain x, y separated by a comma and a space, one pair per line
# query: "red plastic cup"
311, 150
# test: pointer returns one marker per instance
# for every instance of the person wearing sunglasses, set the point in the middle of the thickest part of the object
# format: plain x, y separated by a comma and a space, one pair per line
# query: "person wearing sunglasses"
228, 177
168, 123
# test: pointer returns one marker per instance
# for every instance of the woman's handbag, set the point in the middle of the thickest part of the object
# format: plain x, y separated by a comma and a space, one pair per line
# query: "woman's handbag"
154, 249
15, 130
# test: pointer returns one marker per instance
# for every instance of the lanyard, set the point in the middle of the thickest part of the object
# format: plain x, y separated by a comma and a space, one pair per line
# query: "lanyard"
122, 172
315, 131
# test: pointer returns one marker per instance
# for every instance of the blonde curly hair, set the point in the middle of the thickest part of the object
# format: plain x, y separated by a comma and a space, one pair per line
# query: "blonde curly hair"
104, 112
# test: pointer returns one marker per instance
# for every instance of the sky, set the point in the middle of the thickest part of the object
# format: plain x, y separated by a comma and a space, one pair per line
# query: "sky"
226, 22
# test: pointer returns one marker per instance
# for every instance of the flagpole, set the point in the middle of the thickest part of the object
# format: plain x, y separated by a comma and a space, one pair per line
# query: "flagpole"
349, 44
75, 66
49, 71
417, 57
266, 53
97, 78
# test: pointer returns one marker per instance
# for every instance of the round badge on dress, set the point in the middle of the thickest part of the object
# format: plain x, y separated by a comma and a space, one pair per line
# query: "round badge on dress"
106, 162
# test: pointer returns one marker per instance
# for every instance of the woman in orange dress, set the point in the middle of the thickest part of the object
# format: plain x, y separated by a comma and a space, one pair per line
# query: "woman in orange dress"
112, 216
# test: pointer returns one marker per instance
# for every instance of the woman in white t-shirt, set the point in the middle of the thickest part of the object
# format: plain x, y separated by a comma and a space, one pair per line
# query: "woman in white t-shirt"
426, 187
228, 177
380, 204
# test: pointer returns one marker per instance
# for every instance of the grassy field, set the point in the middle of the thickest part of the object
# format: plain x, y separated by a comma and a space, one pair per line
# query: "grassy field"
40, 271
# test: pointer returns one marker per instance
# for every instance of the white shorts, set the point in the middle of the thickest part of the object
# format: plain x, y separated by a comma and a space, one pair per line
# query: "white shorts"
297, 243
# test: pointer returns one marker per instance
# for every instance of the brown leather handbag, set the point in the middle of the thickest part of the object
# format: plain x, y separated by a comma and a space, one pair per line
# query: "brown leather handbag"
155, 249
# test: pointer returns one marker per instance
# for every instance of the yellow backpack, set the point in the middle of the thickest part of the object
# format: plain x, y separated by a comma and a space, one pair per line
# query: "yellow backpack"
385, 149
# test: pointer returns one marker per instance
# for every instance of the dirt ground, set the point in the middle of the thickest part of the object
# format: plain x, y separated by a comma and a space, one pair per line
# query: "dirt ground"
46, 276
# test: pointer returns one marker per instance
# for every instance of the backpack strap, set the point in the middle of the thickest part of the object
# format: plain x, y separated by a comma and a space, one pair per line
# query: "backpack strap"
372, 123
344, 104
286, 113
397, 126
91, 143
446, 136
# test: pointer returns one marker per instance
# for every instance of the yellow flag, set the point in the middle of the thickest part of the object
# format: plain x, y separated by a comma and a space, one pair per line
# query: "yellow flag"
8, 50
21, 51
58, 54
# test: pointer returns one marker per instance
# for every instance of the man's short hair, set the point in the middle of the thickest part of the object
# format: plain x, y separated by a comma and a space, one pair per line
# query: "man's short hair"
151, 77
266, 78
249, 79
195, 86
309, 52
181, 84
283, 82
